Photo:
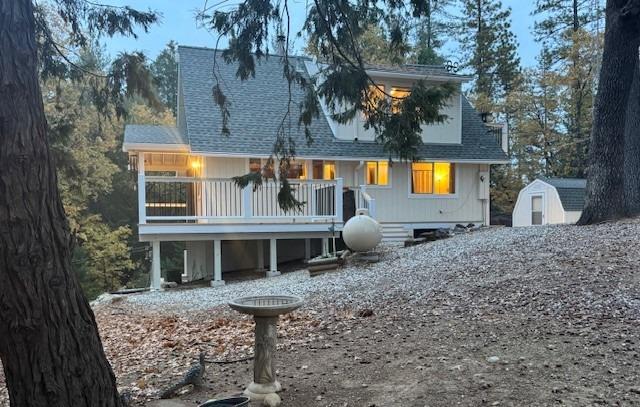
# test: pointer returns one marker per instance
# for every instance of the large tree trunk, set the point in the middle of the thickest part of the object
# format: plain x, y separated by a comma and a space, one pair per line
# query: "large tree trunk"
49, 343
605, 185
632, 148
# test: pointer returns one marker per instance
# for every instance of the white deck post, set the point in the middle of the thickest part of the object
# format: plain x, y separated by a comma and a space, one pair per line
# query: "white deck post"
217, 264
246, 201
325, 246
307, 249
155, 266
142, 192
260, 254
273, 259
339, 187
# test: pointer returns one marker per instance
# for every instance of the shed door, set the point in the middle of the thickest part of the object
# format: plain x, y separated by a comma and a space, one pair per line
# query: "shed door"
536, 210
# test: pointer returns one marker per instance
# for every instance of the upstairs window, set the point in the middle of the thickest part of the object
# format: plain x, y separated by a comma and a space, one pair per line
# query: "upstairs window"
377, 173
398, 94
433, 178
375, 94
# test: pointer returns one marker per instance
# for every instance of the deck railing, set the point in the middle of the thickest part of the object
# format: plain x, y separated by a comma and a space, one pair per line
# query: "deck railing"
499, 133
365, 201
210, 200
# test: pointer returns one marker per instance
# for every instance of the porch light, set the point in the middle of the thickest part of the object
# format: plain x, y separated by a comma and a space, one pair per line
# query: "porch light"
195, 164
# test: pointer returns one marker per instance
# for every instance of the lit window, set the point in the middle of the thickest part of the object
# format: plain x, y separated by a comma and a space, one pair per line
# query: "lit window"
433, 178
329, 170
397, 95
422, 178
324, 169
374, 95
377, 173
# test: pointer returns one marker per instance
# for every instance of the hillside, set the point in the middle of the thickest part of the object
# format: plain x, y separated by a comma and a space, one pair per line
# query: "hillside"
532, 316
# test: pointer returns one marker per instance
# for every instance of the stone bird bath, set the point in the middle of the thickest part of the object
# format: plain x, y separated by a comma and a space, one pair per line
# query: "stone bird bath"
265, 311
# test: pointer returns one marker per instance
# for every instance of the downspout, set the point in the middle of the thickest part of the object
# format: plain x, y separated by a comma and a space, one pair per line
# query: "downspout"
355, 174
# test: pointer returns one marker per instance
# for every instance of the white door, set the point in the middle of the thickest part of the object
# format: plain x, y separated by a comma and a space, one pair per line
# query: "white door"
536, 210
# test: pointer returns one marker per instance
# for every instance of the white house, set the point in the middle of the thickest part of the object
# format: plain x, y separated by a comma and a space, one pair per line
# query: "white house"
549, 201
184, 173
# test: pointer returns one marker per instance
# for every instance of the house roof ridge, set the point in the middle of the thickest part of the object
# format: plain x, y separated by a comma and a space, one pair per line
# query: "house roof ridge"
201, 48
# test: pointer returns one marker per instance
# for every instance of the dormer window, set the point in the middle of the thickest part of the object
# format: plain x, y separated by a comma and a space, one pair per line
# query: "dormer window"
398, 94
376, 93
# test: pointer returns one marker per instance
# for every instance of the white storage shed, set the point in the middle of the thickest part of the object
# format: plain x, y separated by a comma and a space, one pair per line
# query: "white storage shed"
550, 200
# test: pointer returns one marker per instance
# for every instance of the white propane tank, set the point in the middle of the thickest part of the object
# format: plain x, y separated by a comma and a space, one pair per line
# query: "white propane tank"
362, 233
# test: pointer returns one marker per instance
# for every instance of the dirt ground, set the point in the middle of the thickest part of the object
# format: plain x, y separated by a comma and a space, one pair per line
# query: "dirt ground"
550, 318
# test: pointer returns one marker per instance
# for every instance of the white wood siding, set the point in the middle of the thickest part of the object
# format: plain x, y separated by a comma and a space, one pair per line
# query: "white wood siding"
395, 203
223, 167
448, 132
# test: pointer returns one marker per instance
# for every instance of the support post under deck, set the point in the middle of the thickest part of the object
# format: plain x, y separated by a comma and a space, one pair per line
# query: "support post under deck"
273, 259
217, 264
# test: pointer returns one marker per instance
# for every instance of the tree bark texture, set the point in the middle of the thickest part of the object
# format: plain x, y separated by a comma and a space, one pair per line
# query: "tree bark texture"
605, 182
632, 147
49, 343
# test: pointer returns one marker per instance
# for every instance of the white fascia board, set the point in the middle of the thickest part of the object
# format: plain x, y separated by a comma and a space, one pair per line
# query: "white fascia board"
405, 75
340, 158
235, 231
153, 147
313, 68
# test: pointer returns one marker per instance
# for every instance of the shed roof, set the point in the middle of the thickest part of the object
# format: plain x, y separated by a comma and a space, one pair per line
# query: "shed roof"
570, 190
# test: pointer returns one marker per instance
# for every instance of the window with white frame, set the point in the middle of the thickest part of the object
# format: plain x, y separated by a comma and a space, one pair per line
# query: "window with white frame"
377, 173
433, 178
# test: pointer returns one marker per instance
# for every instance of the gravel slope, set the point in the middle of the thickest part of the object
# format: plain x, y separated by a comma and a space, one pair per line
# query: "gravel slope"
558, 306
402, 271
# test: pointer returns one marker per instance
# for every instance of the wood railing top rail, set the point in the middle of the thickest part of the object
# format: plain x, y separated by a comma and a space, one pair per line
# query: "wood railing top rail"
155, 178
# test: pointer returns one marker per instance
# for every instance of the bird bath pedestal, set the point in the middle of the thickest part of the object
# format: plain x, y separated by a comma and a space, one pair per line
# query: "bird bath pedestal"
265, 311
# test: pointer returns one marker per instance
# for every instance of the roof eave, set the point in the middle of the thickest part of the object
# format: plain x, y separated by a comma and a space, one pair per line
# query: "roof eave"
155, 147
406, 75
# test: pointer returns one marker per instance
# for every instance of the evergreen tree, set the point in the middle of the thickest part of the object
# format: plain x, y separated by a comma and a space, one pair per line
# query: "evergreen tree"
537, 122
489, 51
165, 76
431, 31
571, 30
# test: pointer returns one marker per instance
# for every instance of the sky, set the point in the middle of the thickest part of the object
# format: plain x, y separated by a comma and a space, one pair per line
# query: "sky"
178, 23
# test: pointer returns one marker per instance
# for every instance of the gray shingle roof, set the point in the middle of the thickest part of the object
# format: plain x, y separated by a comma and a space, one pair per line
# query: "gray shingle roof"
570, 190
146, 134
258, 105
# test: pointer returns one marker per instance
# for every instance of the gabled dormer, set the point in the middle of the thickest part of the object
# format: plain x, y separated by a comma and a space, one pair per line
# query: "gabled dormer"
398, 81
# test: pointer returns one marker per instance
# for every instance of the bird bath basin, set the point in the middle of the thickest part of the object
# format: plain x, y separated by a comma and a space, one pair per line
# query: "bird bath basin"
266, 306
265, 311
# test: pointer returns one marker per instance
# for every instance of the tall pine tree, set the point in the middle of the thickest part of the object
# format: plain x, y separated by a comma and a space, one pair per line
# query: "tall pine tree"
489, 51
572, 31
